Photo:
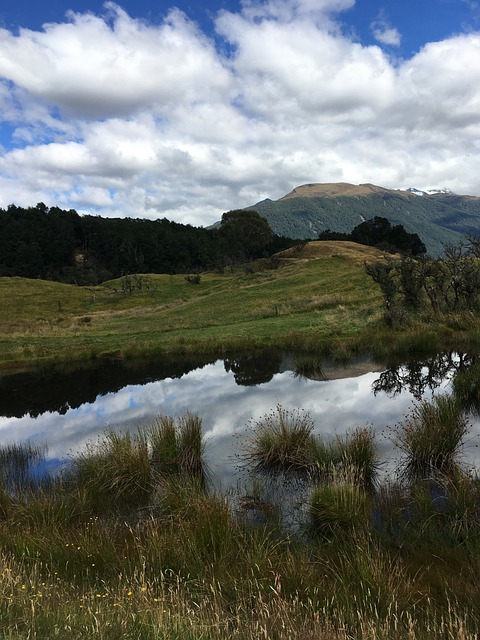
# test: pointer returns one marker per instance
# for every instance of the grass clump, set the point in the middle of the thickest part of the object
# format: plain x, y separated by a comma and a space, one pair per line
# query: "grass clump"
358, 457
122, 470
115, 471
339, 510
431, 438
281, 442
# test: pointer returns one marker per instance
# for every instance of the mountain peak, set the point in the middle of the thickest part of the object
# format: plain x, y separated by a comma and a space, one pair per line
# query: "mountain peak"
334, 189
429, 192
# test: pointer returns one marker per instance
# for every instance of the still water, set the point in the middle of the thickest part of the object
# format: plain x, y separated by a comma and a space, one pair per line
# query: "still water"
67, 410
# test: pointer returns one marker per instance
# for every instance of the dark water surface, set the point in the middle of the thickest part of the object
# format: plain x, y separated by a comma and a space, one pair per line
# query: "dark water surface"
65, 410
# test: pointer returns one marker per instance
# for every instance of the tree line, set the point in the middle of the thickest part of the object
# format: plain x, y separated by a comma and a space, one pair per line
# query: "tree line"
446, 285
379, 232
55, 244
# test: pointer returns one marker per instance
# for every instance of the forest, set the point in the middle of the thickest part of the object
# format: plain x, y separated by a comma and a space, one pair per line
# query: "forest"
59, 245
54, 244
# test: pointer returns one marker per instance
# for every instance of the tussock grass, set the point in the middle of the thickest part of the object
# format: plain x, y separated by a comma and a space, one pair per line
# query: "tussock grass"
121, 470
281, 441
431, 438
339, 510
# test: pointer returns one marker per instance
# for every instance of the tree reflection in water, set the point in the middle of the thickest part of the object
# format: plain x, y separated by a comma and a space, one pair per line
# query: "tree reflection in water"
419, 376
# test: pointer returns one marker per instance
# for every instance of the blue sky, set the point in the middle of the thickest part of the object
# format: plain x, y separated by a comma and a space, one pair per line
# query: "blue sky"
186, 110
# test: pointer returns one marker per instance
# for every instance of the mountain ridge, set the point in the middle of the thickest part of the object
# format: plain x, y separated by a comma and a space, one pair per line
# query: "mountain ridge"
439, 217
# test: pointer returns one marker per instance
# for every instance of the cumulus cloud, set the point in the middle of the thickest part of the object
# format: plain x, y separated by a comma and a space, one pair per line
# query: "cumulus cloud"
114, 115
383, 31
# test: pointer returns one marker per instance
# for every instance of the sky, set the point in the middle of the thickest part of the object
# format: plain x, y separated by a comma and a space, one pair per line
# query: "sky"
187, 110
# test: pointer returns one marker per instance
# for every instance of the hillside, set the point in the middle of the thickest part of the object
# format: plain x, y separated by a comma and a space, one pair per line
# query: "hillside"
318, 293
439, 219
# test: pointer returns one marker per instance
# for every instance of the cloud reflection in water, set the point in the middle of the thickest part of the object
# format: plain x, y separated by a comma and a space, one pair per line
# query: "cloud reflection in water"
225, 408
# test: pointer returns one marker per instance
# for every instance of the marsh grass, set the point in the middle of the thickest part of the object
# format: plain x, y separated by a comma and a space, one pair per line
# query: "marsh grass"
338, 511
114, 471
19, 463
431, 438
177, 446
79, 558
281, 441
120, 471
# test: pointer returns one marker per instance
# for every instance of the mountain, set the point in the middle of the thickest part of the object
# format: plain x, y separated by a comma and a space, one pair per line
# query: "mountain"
438, 216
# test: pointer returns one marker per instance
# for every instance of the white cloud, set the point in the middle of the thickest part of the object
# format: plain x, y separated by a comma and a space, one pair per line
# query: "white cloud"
384, 33
120, 117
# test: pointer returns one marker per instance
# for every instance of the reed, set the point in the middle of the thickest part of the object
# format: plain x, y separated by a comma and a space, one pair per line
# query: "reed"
19, 462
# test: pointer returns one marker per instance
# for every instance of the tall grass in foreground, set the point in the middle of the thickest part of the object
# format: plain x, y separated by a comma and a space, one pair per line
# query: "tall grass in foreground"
385, 562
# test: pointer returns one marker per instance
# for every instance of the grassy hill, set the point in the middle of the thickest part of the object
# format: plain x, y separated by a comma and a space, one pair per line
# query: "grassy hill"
309, 209
319, 293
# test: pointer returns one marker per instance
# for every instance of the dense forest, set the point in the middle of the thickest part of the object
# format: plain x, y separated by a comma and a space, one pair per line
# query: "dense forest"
54, 244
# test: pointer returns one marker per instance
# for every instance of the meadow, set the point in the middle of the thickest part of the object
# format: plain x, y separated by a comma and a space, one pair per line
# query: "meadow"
315, 298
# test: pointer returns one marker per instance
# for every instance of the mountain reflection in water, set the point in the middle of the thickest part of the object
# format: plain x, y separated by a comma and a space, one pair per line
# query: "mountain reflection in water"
67, 409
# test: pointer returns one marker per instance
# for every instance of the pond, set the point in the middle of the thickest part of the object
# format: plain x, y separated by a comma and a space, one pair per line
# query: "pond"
65, 410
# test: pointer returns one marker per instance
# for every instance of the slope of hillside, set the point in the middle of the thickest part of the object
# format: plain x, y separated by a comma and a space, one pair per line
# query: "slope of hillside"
438, 219
319, 294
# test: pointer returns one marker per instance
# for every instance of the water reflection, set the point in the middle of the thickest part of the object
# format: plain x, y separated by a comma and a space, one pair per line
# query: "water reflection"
419, 376
337, 397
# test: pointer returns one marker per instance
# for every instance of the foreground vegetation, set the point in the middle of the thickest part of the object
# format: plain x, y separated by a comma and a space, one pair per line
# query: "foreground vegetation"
316, 298
129, 542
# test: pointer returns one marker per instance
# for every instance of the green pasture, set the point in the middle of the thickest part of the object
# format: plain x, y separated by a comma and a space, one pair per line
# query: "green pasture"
318, 298
302, 303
